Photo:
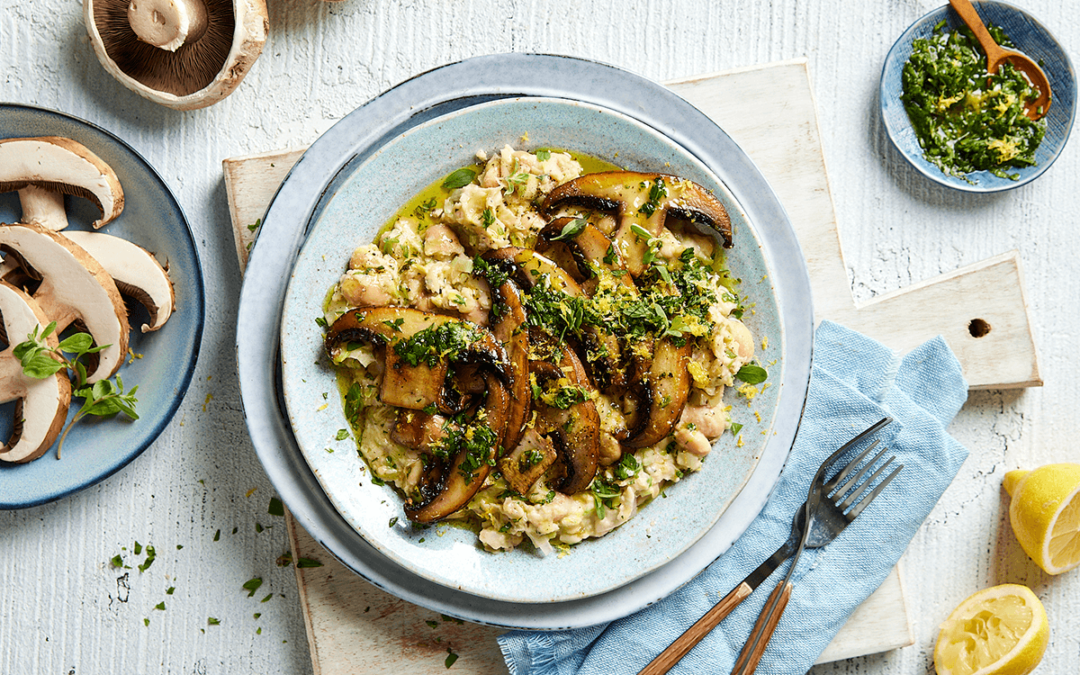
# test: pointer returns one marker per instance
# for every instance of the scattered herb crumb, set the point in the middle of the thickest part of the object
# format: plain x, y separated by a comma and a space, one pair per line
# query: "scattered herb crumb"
267, 598
258, 631
257, 615
138, 548
117, 561
146, 621
252, 585
341, 435
258, 527
150, 555
308, 562
217, 535
276, 508
451, 658
170, 590
160, 605
179, 547
250, 492
211, 621
433, 624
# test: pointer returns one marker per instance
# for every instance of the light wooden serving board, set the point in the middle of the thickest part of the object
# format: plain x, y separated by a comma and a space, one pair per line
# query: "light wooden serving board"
355, 628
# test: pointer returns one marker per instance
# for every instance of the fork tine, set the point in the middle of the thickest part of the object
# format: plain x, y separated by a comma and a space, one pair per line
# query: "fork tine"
843, 506
874, 493
854, 480
828, 487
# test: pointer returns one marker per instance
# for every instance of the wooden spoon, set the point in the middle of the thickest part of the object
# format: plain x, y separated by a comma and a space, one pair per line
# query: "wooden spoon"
996, 55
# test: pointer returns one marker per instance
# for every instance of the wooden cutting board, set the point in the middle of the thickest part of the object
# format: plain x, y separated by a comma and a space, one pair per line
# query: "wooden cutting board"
355, 628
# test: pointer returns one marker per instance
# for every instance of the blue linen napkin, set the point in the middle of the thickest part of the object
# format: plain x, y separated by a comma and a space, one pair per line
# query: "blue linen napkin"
855, 382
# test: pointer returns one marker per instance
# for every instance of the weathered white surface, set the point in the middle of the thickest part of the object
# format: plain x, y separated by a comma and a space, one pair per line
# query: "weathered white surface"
62, 609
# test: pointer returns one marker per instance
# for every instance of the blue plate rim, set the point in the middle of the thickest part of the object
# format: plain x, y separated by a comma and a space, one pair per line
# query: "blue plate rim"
933, 173
422, 97
197, 276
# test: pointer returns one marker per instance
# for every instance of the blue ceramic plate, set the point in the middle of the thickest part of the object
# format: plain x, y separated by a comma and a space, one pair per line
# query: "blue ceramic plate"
97, 448
353, 215
1031, 38
331, 161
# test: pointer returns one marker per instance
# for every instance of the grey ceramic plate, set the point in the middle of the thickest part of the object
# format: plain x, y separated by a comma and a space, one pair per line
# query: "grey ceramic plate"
1031, 38
95, 449
353, 215
330, 161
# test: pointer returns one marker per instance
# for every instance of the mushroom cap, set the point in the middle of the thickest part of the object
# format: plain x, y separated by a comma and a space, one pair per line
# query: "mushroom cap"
136, 272
197, 74
63, 166
74, 287
43, 404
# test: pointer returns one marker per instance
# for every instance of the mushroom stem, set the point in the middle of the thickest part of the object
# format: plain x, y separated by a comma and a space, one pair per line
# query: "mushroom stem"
43, 207
168, 24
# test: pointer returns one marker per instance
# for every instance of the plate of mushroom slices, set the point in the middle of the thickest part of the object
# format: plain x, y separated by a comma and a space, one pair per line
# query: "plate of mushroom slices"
95, 244
433, 320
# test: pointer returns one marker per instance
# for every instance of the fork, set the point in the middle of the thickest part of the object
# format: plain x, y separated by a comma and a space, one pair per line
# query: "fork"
829, 507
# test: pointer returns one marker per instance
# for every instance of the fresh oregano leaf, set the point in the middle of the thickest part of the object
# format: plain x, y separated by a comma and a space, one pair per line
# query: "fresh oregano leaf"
752, 374
459, 179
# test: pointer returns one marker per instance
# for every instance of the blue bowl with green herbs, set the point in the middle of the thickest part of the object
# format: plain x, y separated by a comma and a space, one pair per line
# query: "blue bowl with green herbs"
982, 126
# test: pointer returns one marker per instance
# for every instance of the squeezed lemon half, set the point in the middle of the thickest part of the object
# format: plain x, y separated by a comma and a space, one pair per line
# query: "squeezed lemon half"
997, 631
1045, 514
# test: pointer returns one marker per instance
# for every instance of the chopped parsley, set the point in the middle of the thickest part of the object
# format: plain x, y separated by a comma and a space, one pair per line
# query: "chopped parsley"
434, 343
966, 119
604, 496
657, 192
474, 438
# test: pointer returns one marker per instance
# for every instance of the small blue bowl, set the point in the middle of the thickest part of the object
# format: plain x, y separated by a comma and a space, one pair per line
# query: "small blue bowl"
1031, 38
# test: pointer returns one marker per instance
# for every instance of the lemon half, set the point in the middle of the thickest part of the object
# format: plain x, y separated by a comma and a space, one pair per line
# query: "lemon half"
1045, 514
997, 631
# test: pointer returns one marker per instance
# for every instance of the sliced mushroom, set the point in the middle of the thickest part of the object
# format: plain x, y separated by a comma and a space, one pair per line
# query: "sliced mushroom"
661, 395
184, 54
419, 430
576, 429
423, 381
644, 200
528, 461
448, 486
42, 404
135, 270
42, 168
608, 358
511, 330
602, 349
74, 288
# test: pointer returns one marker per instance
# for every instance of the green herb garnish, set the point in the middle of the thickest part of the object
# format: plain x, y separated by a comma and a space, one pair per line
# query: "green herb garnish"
752, 374
571, 230
101, 399
966, 119
459, 179
252, 585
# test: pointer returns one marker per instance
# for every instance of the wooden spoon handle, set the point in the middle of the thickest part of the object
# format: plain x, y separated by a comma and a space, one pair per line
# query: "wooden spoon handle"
694, 634
766, 624
967, 12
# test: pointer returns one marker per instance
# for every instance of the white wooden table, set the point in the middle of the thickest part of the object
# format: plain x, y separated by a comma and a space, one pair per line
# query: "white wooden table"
62, 609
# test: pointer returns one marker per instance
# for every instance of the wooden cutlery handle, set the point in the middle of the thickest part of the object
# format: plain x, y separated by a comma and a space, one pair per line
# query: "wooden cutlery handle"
693, 635
751, 654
